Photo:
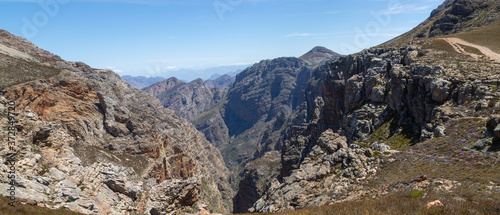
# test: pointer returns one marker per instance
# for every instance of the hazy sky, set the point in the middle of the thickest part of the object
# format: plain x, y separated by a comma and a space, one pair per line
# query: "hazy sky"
150, 36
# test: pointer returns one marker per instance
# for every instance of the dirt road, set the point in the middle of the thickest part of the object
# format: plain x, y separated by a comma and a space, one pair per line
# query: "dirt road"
456, 42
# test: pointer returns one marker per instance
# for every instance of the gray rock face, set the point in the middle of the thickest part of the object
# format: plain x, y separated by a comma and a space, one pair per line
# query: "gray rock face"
263, 89
493, 126
481, 144
440, 90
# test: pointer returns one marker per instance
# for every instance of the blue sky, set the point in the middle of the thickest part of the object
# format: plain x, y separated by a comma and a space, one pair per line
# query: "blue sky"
152, 37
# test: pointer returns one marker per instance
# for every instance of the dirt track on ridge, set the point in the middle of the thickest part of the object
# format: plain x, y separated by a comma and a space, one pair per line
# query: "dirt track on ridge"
456, 42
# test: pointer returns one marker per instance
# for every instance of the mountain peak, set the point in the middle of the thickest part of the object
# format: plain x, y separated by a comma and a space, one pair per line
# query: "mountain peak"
318, 55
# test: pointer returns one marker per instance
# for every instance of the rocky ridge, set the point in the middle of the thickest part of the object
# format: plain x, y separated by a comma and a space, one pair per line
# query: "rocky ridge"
92, 143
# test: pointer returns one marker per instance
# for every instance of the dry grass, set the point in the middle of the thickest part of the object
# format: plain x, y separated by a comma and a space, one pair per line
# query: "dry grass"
400, 203
472, 50
21, 209
16, 71
440, 45
487, 36
444, 158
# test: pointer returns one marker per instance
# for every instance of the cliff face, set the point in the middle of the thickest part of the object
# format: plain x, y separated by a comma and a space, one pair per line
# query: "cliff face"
259, 102
109, 147
328, 147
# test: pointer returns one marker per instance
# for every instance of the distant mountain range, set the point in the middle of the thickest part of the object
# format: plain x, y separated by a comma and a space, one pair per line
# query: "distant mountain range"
212, 76
140, 82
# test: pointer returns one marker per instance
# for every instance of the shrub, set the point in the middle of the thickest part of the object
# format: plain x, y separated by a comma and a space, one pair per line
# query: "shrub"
416, 193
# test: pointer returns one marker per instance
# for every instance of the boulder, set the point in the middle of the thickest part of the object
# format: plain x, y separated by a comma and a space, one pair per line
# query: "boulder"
381, 147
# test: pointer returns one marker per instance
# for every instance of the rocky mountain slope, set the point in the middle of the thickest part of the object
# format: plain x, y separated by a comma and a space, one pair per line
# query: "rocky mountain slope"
391, 99
88, 141
455, 16
389, 120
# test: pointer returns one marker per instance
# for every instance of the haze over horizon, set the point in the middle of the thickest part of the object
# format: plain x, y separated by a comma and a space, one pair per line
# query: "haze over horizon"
153, 37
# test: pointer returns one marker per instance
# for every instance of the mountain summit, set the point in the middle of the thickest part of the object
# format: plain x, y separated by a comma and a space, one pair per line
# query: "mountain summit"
318, 55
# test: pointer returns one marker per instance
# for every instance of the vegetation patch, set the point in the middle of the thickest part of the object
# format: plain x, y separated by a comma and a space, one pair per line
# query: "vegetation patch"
440, 45
472, 50
486, 36
15, 71
23, 209
416, 193
390, 134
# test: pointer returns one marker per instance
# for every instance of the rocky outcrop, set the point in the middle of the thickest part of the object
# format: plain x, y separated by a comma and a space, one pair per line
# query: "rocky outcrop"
330, 170
90, 129
213, 126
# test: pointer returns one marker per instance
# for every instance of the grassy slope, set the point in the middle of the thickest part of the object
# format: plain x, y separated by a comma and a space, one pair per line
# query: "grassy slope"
16, 71
488, 36
400, 203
